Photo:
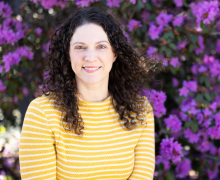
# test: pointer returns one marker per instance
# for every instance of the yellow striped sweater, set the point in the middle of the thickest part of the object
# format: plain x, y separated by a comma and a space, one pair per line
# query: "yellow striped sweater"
105, 152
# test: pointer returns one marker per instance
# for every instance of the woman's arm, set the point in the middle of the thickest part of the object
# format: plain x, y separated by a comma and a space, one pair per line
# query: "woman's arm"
37, 154
145, 151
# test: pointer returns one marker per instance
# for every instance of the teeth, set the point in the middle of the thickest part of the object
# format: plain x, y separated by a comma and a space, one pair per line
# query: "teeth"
91, 68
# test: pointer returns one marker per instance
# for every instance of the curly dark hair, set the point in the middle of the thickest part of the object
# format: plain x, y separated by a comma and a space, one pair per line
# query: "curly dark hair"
127, 78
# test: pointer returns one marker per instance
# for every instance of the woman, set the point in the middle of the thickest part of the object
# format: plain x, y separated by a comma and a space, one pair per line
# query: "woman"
92, 121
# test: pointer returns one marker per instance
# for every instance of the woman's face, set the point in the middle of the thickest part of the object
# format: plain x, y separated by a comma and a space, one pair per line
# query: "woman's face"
91, 55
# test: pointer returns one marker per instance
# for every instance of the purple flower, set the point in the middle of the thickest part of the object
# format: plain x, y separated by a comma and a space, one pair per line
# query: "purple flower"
213, 149
24, 51
171, 150
175, 82
213, 106
183, 91
145, 15
2, 86
213, 132
1, 69
133, 24
200, 118
202, 68
203, 146
15, 99
173, 122
191, 136
113, 3
208, 60
10, 59
206, 122
156, 2
178, 21
205, 11
25, 91
183, 116
201, 45
165, 162
188, 104
191, 85
217, 119
46, 47
133, 1
151, 50
175, 62
217, 47
207, 112
182, 168
163, 19
155, 31
5, 10
158, 98
38, 31
179, 3
182, 44
213, 174
127, 36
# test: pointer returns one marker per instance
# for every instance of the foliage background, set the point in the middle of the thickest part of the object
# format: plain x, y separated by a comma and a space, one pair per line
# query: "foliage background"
185, 34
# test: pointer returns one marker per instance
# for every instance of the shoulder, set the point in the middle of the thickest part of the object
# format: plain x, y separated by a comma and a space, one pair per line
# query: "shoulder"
43, 101
143, 102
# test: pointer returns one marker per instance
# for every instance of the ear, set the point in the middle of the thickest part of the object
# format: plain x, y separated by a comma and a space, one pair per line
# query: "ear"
115, 57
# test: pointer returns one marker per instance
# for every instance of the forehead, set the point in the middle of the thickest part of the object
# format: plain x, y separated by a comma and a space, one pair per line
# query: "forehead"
89, 32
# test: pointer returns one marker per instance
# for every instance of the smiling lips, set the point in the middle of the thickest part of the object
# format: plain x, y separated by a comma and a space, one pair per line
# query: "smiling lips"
91, 69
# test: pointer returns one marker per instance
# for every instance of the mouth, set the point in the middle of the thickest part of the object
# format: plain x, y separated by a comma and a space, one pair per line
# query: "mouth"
91, 69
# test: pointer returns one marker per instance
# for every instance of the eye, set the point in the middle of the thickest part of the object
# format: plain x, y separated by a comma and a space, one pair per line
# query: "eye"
103, 47
78, 47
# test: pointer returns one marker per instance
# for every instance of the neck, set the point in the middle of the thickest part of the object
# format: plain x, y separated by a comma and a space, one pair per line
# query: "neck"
92, 93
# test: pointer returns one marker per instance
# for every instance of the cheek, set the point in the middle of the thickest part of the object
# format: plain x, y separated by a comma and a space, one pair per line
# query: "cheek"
76, 62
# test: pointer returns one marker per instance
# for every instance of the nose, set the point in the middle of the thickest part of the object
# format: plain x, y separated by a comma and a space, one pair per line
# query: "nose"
90, 55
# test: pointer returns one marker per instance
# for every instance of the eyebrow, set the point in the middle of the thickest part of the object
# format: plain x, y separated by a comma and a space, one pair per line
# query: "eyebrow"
84, 43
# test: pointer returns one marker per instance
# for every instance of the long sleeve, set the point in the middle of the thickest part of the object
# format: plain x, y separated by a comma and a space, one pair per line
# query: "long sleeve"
37, 153
144, 164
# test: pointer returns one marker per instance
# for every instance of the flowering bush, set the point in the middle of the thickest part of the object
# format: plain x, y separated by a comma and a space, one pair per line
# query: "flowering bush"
184, 34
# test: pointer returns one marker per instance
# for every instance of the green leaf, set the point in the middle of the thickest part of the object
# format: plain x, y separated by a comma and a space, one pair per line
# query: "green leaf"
187, 124
20, 96
180, 99
182, 72
172, 46
139, 44
140, 5
168, 36
207, 82
201, 79
204, 27
123, 6
169, 176
144, 28
179, 39
191, 48
199, 97
193, 38
173, 70
162, 49
152, 17
161, 166
148, 6
168, 52
31, 37
207, 96
194, 126
185, 4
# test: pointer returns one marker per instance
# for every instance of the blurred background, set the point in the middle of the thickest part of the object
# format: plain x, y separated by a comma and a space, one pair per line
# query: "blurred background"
184, 34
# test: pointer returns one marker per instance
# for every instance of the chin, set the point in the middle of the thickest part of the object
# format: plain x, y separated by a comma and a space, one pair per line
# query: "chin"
92, 82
